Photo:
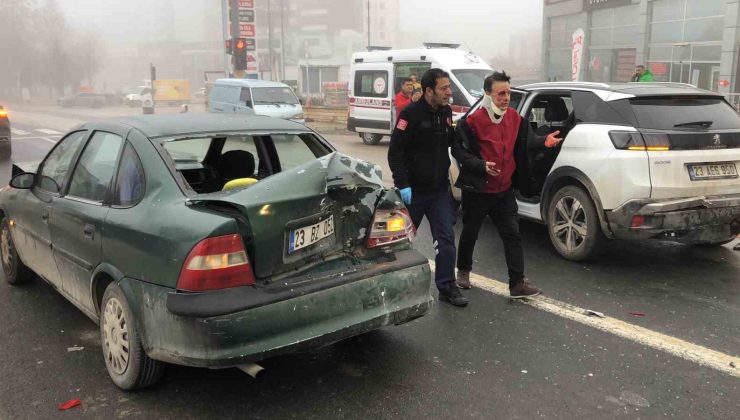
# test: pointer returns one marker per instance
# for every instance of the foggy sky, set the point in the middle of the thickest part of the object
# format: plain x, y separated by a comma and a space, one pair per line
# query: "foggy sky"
482, 25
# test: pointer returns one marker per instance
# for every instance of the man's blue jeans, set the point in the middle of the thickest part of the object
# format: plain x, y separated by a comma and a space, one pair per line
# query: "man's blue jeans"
437, 208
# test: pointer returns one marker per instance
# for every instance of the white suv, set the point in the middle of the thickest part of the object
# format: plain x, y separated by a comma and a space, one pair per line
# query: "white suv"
638, 161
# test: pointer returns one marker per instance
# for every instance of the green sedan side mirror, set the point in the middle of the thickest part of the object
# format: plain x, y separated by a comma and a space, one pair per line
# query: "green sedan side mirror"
23, 181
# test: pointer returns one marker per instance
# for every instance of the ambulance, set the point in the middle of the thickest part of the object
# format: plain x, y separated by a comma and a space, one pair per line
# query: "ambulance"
377, 74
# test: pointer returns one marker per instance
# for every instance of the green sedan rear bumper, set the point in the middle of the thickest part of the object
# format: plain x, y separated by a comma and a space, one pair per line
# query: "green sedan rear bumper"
315, 318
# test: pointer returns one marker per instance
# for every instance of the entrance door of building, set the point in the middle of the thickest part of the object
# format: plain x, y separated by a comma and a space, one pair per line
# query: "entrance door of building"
680, 72
715, 79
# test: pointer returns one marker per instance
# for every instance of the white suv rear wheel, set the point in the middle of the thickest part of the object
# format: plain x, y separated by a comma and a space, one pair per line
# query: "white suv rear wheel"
573, 224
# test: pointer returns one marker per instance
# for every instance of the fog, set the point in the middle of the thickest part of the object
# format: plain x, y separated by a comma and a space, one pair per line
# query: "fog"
184, 38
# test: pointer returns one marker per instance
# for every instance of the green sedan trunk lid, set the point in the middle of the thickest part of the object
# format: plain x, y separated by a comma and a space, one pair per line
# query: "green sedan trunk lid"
335, 186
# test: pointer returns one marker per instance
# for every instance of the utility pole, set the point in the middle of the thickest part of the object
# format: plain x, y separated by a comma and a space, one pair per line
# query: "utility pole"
282, 41
269, 40
368, 23
226, 32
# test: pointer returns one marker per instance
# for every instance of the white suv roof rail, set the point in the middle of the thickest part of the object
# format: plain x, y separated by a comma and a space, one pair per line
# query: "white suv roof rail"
664, 83
566, 83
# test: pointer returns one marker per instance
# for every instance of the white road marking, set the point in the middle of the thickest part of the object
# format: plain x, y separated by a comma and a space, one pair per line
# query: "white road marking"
47, 131
19, 132
672, 345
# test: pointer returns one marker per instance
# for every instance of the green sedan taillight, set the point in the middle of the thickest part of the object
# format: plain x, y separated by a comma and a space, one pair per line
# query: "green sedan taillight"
216, 263
390, 226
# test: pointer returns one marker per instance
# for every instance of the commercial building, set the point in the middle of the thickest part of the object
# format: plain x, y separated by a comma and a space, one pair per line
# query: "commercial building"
688, 41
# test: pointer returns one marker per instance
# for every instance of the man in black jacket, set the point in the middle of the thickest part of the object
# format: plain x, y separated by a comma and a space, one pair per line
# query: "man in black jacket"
419, 160
491, 146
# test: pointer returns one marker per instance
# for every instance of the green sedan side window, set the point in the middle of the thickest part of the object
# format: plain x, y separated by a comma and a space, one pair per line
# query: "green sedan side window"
57, 163
130, 181
93, 173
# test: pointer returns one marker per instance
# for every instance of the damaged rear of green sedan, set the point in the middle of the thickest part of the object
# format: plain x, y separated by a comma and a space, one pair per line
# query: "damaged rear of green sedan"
212, 240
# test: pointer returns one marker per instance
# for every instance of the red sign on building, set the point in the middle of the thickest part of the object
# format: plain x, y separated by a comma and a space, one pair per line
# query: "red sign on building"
659, 69
246, 4
246, 30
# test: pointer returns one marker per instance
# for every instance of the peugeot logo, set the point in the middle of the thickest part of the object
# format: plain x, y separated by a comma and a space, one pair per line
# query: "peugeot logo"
716, 140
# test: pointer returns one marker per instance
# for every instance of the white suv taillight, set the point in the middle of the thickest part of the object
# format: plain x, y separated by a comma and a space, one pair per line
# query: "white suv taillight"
390, 226
216, 263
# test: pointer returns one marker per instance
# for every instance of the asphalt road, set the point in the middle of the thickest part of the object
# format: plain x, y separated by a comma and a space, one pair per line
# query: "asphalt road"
494, 359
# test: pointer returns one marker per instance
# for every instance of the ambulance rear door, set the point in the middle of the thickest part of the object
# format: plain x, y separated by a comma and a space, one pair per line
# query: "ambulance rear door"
371, 100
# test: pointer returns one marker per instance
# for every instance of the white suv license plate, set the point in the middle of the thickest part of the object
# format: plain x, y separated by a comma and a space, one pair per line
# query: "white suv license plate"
309, 235
722, 170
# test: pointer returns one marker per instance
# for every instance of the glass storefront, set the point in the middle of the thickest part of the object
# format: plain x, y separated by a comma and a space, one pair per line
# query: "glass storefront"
685, 41
558, 52
682, 41
614, 33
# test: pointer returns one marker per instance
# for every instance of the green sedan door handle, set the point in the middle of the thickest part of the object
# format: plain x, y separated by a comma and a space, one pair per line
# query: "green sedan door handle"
89, 231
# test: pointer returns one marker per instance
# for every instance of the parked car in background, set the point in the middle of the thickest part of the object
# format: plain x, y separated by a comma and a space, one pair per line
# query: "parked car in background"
84, 99
136, 99
5, 145
272, 99
166, 92
638, 161
211, 240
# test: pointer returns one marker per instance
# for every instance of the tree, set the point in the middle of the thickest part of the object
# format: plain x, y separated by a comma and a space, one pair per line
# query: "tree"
40, 49
16, 45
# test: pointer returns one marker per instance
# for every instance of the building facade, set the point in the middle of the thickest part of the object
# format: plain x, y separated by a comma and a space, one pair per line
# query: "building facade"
688, 41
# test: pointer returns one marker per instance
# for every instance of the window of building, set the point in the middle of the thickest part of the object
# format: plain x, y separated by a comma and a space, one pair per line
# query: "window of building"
685, 41
560, 33
687, 20
615, 26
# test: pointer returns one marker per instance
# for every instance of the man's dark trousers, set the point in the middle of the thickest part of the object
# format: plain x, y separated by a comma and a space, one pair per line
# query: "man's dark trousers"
438, 210
502, 208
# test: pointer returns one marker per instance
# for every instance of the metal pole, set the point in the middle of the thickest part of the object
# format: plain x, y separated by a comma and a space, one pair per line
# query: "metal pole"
368, 23
226, 33
234, 30
269, 39
282, 42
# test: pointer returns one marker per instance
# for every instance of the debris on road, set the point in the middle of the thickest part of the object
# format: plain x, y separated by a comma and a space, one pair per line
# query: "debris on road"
70, 404
591, 312
732, 365
75, 348
637, 313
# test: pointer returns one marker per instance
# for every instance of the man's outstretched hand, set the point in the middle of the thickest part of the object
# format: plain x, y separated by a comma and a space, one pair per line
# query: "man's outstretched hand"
552, 140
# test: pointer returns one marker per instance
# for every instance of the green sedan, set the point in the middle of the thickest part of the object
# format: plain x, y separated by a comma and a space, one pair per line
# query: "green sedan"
211, 240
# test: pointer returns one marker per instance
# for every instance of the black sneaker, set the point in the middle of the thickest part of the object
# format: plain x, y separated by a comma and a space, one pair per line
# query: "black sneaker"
453, 297
523, 289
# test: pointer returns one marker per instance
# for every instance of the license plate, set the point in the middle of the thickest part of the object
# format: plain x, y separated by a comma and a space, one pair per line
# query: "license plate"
309, 235
722, 170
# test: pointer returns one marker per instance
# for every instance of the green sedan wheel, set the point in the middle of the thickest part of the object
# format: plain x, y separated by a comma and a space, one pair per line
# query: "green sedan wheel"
15, 271
128, 365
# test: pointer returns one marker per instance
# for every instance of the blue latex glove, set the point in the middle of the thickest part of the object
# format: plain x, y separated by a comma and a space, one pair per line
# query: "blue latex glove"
406, 195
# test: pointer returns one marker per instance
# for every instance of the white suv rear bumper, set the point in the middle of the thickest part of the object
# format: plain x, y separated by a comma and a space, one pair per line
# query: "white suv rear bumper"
692, 220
